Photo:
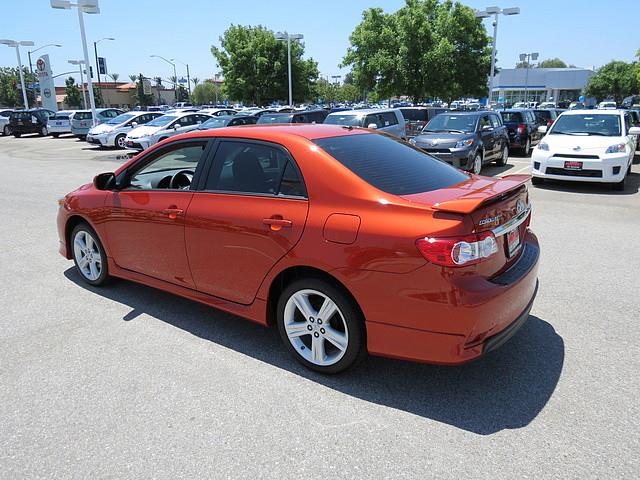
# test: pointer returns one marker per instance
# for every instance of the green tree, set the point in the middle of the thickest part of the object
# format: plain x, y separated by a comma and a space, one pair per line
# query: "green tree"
142, 99
204, 93
195, 81
73, 96
133, 77
552, 63
11, 90
615, 80
425, 49
254, 65
183, 94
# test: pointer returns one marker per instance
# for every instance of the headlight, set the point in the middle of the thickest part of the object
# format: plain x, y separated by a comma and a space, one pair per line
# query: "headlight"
618, 148
543, 146
464, 143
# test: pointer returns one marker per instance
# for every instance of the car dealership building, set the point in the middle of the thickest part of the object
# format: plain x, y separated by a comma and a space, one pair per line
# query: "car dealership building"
539, 84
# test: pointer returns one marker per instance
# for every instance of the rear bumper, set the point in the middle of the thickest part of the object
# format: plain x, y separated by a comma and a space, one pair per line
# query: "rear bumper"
428, 317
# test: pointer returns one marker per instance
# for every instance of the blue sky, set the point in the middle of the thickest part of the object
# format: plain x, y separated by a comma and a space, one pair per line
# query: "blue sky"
583, 32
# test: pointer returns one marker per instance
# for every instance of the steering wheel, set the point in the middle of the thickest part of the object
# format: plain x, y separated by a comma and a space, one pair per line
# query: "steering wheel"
182, 180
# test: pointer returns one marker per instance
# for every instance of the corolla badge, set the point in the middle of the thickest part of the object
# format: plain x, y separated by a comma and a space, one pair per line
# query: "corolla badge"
488, 220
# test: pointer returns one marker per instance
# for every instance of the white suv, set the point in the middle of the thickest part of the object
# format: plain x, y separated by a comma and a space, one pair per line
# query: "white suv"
586, 146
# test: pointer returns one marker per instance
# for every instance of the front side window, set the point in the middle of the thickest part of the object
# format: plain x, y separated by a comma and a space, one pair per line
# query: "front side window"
495, 121
254, 168
160, 172
484, 122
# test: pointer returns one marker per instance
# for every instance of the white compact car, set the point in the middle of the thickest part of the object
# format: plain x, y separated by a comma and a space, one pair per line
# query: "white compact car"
60, 123
163, 127
113, 132
586, 146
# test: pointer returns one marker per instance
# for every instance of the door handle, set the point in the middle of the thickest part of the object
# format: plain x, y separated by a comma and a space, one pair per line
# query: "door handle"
276, 223
173, 212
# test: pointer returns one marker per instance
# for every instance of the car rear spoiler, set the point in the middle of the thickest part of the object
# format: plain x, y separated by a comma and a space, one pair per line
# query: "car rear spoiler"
491, 192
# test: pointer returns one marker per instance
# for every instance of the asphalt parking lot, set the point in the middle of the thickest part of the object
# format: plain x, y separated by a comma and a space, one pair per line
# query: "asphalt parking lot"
127, 381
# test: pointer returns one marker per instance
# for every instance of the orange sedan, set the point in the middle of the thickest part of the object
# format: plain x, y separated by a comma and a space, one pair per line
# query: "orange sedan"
350, 241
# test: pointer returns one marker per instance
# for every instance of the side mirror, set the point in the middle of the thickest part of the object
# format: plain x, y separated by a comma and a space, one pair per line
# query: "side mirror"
634, 131
542, 129
487, 128
133, 124
104, 181
175, 126
372, 126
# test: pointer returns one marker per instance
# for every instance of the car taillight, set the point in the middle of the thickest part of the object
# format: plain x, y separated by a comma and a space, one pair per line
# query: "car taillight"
549, 122
522, 128
458, 251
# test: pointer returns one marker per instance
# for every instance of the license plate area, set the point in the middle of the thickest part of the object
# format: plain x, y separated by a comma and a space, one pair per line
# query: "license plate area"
572, 165
513, 242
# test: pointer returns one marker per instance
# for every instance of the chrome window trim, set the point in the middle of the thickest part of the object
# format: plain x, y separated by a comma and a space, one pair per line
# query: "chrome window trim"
512, 224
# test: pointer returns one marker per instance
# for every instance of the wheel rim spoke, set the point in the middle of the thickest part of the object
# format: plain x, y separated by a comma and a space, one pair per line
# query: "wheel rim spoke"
317, 349
297, 329
337, 338
302, 303
327, 310
95, 273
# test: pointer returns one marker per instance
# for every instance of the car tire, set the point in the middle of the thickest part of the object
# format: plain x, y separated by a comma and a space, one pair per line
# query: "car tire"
527, 147
504, 156
537, 181
6, 131
619, 186
120, 141
326, 349
89, 255
55, 135
17, 135
44, 131
476, 166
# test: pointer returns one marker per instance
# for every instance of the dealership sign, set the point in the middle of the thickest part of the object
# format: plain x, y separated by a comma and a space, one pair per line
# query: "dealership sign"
45, 79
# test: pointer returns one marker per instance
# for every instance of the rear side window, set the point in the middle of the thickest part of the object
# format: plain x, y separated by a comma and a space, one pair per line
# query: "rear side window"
513, 117
391, 165
389, 118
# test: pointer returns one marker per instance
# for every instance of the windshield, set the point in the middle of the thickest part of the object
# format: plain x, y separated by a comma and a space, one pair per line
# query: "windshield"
275, 118
214, 123
451, 124
161, 121
587, 124
349, 120
125, 117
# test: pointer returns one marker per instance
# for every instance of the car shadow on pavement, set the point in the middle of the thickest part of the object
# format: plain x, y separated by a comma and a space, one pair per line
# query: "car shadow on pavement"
631, 188
507, 389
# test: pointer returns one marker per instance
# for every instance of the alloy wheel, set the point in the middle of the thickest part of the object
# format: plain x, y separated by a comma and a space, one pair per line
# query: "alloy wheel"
316, 327
121, 142
477, 164
87, 255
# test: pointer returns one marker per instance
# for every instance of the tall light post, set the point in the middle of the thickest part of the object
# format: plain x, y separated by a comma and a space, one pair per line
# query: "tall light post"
188, 78
39, 48
90, 7
486, 13
16, 44
175, 75
527, 57
288, 37
95, 51
215, 83
80, 63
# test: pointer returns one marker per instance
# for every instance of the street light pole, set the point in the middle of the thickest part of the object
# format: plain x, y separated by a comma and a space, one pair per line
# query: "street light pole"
188, 77
95, 50
486, 13
16, 44
527, 57
175, 76
288, 37
39, 48
80, 63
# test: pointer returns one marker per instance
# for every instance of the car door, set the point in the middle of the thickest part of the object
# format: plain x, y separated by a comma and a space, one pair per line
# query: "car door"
487, 135
145, 227
250, 212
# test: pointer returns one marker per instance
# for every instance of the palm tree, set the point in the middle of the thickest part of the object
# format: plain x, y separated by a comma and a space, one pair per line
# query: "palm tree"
173, 80
133, 78
158, 81
114, 77
195, 81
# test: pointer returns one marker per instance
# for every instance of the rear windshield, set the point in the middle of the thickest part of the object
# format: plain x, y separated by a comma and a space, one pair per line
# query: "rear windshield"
83, 116
59, 116
267, 118
515, 117
349, 120
587, 124
414, 114
391, 165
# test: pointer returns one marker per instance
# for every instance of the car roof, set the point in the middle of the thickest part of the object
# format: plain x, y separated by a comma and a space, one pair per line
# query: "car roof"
366, 111
466, 112
275, 132
593, 111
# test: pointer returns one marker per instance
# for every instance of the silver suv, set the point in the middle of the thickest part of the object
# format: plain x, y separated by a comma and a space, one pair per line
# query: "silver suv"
386, 120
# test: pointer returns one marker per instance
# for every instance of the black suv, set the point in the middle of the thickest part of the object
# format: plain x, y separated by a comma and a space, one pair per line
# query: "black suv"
302, 116
30, 121
522, 125
466, 140
417, 117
